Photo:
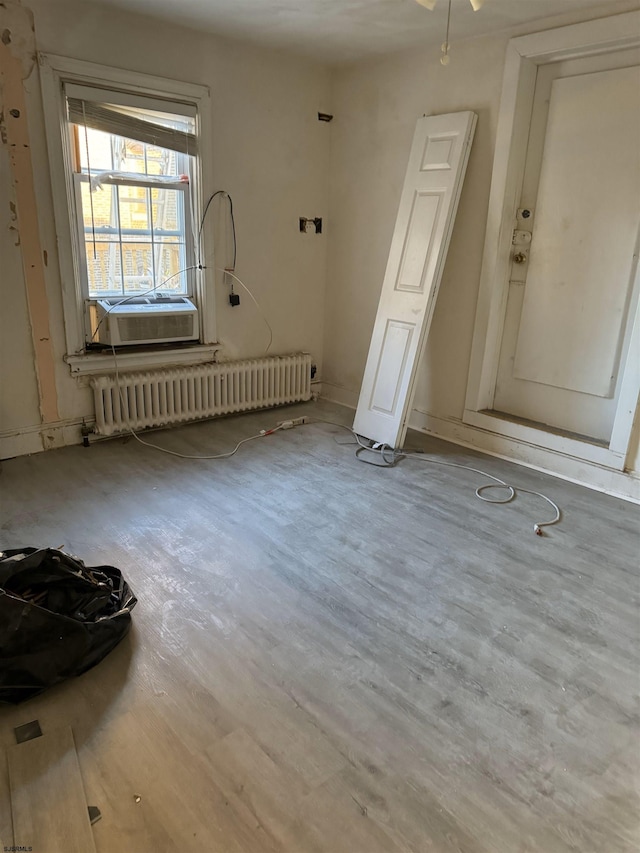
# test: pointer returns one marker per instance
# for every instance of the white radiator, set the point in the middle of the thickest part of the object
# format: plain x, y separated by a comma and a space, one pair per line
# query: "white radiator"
160, 397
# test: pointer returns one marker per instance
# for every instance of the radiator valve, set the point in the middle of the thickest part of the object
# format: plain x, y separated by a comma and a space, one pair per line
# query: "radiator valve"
85, 432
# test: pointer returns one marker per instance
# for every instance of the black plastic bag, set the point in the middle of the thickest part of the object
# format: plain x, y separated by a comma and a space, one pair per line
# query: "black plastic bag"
58, 618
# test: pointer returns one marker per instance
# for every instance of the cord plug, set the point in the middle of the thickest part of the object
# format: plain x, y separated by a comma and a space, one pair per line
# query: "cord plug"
234, 299
292, 422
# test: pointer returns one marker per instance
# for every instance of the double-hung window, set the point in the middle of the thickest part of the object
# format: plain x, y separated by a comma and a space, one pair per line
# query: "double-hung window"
132, 172
129, 148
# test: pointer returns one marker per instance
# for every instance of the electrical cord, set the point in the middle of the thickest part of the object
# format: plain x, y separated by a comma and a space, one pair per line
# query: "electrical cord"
200, 266
193, 267
233, 223
262, 434
390, 458
230, 271
197, 266
498, 484
227, 455
256, 303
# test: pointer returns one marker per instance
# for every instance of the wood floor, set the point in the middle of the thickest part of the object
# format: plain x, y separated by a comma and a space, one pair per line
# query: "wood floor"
331, 658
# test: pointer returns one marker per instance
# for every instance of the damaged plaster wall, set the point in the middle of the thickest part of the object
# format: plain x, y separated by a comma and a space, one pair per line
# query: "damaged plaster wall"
18, 389
269, 151
27, 397
62, 403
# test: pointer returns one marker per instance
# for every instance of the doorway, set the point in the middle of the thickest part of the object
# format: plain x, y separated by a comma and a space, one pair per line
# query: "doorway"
555, 346
566, 331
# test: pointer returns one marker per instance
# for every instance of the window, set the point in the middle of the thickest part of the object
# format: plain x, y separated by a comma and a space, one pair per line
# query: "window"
127, 182
132, 174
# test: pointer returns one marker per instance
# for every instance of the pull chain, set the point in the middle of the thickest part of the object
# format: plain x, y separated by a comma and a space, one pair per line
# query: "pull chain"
444, 59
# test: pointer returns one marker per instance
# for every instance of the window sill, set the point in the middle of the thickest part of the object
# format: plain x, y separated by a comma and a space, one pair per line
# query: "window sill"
90, 363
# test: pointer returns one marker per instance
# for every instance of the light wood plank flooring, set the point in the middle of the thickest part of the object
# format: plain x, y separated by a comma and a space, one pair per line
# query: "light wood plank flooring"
331, 658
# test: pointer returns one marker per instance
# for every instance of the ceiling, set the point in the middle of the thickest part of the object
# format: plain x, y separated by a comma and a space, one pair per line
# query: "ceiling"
337, 31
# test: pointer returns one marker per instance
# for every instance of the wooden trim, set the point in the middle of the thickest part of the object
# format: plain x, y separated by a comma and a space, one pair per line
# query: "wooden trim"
620, 484
538, 437
524, 55
92, 363
601, 35
36, 438
19, 148
106, 77
509, 158
629, 398
60, 156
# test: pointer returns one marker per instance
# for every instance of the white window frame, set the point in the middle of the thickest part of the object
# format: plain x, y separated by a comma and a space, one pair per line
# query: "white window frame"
55, 72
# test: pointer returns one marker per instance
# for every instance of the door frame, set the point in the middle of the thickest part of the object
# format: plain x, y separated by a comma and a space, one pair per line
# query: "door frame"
524, 55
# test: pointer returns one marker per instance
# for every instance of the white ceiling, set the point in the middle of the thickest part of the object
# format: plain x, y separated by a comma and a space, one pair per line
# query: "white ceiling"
338, 31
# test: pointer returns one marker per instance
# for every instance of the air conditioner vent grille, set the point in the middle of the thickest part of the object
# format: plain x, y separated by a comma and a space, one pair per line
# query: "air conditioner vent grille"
152, 328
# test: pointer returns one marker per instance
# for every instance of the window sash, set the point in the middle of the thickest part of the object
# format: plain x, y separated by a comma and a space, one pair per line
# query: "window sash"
186, 245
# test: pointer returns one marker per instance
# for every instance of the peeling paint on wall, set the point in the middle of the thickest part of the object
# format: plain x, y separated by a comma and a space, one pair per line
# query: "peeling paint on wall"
17, 61
18, 33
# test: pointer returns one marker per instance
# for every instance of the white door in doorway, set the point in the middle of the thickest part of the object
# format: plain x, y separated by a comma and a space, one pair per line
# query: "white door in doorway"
571, 294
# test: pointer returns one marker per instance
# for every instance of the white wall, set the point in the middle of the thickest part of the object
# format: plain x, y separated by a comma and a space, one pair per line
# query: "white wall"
272, 154
376, 105
269, 152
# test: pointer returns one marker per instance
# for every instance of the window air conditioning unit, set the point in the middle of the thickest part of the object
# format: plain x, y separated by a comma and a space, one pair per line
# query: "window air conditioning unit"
144, 320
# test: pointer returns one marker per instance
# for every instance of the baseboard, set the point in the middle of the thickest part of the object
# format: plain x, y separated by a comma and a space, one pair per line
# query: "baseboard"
619, 484
339, 394
21, 443
39, 437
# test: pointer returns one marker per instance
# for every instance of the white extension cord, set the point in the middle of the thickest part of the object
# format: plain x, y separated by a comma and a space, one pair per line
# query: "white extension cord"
389, 456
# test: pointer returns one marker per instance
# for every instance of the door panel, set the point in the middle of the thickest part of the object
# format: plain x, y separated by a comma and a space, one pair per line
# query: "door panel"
428, 204
576, 299
566, 328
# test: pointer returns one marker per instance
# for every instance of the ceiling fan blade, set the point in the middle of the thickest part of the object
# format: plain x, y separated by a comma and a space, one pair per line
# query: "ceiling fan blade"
476, 4
428, 4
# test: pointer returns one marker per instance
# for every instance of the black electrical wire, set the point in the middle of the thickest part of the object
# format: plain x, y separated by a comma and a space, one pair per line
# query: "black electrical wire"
233, 222
233, 230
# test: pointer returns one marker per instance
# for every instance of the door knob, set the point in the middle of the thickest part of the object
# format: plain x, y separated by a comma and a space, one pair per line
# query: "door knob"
519, 258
